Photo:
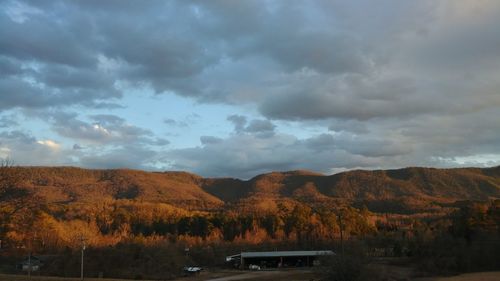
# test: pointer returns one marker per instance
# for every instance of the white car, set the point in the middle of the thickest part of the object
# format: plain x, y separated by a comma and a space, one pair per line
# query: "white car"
254, 267
192, 269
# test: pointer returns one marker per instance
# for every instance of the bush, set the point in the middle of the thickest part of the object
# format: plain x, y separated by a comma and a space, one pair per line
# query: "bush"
347, 268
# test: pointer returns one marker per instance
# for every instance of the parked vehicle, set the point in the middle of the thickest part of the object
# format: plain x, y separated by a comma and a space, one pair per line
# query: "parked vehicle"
254, 267
192, 269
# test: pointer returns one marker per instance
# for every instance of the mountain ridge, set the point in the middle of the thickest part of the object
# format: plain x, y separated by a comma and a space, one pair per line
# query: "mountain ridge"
412, 189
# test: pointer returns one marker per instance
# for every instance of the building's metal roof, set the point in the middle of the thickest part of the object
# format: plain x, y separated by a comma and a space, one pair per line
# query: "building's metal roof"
286, 254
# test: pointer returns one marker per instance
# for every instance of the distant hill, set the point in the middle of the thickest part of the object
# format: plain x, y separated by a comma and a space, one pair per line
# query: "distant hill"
408, 190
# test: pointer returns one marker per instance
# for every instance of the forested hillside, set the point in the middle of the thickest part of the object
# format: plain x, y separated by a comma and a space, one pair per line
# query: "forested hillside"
409, 189
48, 210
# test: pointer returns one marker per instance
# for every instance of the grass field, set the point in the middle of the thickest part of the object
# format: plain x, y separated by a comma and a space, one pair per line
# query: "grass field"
478, 276
7, 277
263, 276
215, 276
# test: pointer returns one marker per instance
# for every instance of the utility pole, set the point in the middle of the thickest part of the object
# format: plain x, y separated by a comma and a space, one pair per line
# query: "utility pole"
29, 265
30, 253
341, 233
82, 241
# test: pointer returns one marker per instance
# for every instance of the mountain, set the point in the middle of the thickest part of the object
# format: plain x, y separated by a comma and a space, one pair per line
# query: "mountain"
408, 190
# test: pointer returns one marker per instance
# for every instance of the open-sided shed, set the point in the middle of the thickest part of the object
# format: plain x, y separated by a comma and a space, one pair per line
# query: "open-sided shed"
278, 258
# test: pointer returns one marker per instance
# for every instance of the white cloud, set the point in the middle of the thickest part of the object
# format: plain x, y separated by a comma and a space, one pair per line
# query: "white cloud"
4, 152
50, 144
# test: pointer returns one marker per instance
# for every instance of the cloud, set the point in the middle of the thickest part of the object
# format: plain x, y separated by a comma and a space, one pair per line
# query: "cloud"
8, 121
21, 93
175, 123
18, 136
238, 121
50, 144
426, 141
77, 147
246, 155
295, 61
4, 152
210, 140
25, 149
103, 129
8, 66
183, 122
132, 157
68, 125
361, 85
259, 127
44, 34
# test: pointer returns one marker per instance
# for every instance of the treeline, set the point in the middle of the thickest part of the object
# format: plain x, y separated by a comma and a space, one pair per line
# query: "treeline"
299, 223
470, 243
106, 225
468, 240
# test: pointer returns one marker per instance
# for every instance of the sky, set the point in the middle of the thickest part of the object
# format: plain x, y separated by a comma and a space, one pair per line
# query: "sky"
239, 88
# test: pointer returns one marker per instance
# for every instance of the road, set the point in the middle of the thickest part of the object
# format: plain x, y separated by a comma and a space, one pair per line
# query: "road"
265, 275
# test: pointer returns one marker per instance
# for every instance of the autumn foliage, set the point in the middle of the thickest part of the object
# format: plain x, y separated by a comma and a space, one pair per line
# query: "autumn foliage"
131, 219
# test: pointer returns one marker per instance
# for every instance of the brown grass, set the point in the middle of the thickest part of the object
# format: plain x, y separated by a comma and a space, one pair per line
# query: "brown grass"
478, 276
9, 277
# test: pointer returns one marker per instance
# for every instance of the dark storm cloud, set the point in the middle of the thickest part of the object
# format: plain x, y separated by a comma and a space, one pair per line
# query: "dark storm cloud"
9, 66
284, 32
105, 43
64, 77
77, 51
45, 36
197, 42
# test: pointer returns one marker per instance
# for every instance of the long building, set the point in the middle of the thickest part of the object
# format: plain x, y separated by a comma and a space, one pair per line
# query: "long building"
278, 259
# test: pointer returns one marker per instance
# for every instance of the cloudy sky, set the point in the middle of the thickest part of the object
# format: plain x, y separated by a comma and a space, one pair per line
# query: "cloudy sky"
237, 88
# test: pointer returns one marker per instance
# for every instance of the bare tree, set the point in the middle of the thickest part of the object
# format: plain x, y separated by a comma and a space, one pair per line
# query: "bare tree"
6, 162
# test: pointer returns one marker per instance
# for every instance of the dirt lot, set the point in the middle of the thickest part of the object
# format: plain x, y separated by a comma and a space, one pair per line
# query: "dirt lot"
288, 275
231, 275
228, 275
7, 277
393, 273
479, 276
